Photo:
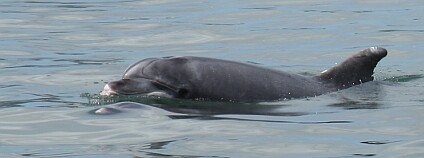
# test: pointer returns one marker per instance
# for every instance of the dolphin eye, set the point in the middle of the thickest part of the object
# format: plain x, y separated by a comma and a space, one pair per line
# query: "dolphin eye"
182, 92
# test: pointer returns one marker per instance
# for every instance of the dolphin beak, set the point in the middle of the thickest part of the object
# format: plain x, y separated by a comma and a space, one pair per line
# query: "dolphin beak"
107, 91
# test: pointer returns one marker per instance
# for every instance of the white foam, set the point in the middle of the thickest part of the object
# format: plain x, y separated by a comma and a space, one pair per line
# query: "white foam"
107, 91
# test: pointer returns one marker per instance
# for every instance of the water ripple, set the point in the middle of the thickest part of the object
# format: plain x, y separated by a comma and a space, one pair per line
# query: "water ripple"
258, 120
404, 78
398, 30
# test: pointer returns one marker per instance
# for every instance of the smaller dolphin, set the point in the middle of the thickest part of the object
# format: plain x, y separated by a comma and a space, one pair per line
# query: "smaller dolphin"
215, 79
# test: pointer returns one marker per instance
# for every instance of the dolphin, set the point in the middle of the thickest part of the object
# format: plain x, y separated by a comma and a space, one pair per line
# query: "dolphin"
202, 78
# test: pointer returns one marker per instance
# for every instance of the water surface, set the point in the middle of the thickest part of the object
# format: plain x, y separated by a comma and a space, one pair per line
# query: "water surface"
56, 55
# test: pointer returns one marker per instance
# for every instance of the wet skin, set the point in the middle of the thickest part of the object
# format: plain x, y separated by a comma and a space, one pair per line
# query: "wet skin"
215, 79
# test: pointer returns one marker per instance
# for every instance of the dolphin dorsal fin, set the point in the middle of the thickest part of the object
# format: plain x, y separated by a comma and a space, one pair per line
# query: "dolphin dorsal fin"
355, 70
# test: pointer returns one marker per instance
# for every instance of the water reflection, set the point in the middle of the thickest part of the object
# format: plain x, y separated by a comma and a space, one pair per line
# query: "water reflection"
202, 110
365, 96
193, 107
255, 120
352, 104
404, 78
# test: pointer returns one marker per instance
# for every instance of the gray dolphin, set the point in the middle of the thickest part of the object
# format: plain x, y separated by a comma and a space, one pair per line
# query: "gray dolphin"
215, 79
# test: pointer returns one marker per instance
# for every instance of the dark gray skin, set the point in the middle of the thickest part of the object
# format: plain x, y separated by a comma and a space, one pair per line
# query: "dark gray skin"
216, 79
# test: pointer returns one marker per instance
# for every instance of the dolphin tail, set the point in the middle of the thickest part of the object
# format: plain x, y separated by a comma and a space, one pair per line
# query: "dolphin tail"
355, 70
